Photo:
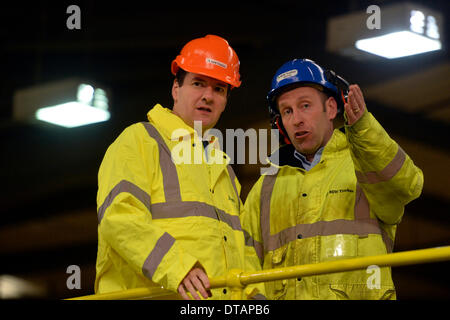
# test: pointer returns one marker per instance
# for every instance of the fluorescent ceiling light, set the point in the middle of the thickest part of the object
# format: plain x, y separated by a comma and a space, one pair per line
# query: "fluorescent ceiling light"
12, 287
392, 31
398, 44
85, 93
70, 103
72, 114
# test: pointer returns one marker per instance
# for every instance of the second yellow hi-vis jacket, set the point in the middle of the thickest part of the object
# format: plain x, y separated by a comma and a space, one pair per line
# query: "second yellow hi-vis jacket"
348, 205
162, 208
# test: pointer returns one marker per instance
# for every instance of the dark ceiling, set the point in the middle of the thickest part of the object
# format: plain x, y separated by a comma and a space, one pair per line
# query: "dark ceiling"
49, 174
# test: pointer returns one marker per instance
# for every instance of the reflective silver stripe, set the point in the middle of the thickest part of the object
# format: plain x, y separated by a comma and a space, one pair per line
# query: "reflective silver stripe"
233, 221
183, 209
168, 168
162, 246
389, 243
266, 195
249, 241
387, 173
322, 228
362, 225
362, 212
124, 186
174, 207
362, 209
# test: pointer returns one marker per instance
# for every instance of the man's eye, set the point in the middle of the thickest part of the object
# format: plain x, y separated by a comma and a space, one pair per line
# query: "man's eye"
287, 111
197, 84
306, 105
220, 89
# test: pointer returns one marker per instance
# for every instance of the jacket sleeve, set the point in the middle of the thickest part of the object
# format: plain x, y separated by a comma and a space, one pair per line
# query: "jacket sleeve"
251, 227
125, 184
384, 171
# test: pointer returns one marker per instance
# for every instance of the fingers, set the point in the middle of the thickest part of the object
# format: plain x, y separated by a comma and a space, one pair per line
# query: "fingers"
204, 278
205, 285
350, 109
185, 287
358, 98
199, 284
195, 280
182, 292
355, 106
191, 289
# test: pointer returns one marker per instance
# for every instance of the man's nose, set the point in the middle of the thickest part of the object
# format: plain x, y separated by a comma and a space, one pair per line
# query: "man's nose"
297, 118
208, 94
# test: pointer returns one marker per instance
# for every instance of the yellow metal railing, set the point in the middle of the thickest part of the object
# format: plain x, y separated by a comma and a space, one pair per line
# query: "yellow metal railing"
236, 280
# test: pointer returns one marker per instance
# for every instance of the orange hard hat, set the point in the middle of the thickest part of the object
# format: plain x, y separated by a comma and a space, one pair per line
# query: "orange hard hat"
210, 56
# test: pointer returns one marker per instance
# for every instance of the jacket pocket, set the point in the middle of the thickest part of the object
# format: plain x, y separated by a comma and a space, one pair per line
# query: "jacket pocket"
276, 290
361, 292
338, 246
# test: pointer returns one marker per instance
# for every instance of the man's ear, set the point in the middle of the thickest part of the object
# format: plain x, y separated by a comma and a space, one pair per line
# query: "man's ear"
175, 87
331, 108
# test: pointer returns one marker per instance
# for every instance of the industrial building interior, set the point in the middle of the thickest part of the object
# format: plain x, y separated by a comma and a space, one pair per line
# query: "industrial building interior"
49, 173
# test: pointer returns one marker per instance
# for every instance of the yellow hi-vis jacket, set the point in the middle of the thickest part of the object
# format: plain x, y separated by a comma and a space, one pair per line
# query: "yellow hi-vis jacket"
346, 206
162, 208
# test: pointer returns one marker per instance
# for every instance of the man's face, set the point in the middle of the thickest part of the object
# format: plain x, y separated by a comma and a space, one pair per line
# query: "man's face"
200, 98
307, 116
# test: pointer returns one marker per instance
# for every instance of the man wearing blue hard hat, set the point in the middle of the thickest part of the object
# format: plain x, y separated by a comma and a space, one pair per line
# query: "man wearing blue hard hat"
335, 194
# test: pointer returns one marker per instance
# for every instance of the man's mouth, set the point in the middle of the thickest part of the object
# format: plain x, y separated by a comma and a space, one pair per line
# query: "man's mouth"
205, 109
301, 134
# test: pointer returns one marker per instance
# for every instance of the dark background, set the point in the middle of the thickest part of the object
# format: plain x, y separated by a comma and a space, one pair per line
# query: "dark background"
49, 174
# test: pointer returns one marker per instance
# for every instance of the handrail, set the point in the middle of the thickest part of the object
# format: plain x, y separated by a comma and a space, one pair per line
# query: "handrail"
236, 280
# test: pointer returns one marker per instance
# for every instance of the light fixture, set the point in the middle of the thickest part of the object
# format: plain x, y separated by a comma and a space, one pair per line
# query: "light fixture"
403, 29
69, 103
12, 287
398, 44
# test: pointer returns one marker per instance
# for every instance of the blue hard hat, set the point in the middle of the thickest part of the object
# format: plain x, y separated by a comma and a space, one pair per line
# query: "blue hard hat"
301, 72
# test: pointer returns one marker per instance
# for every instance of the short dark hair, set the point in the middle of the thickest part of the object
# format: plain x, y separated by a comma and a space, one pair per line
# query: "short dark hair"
181, 74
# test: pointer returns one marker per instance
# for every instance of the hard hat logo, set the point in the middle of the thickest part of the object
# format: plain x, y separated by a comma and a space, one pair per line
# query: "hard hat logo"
210, 56
287, 74
217, 63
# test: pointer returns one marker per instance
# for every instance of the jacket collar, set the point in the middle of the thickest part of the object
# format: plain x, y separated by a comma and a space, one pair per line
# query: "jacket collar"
173, 128
284, 156
170, 125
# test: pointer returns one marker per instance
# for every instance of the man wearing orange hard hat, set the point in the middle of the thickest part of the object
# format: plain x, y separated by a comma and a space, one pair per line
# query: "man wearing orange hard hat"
170, 223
